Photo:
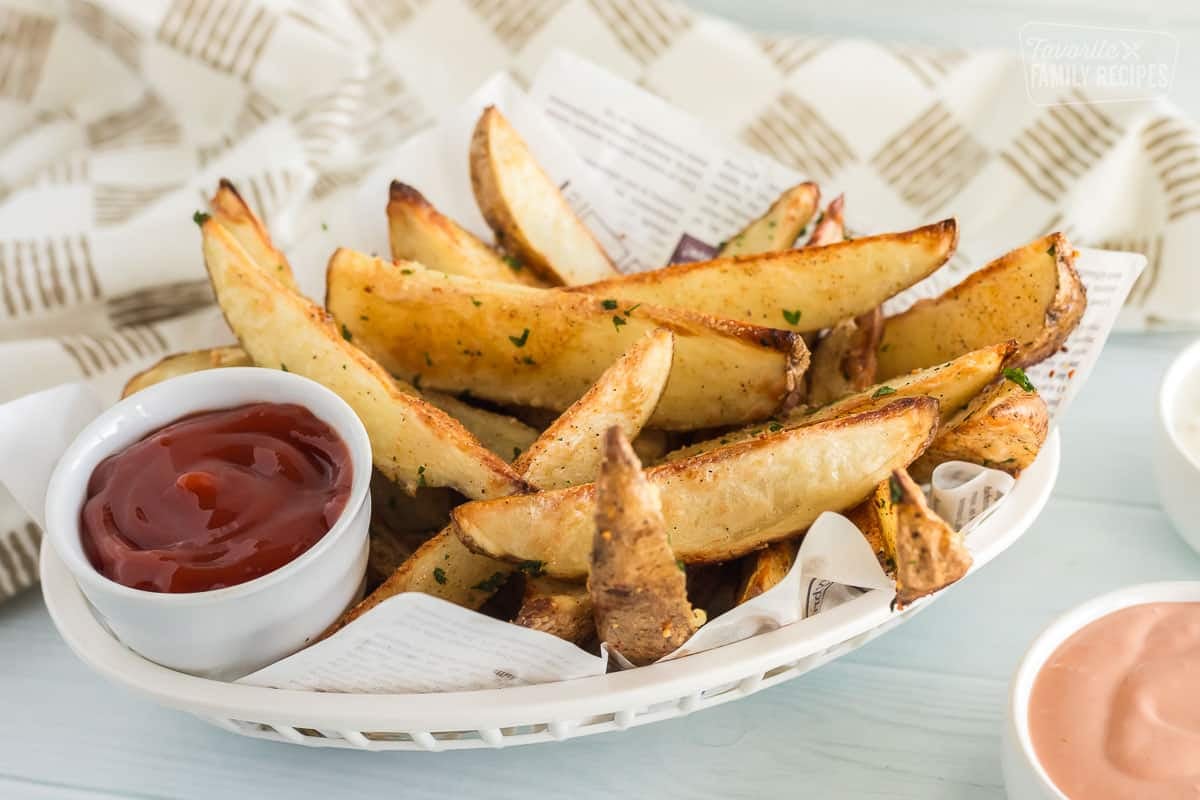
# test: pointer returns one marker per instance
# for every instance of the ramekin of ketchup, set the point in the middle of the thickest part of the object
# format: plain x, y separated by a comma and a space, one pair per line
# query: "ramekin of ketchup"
217, 521
1105, 704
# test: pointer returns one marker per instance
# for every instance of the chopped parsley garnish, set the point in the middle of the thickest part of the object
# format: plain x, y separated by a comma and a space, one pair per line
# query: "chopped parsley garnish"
527, 360
421, 476
324, 226
439, 575
896, 489
200, 218
279, 267
513, 264
630, 310
428, 360
516, 453
609, 304
532, 568
363, 317
476, 303
1053, 251
1018, 376
406, 271
618, 322
883, 391
791, 317
519, 341
283, 366
775, 427
491, 584
682, 567
416, 381
346, 333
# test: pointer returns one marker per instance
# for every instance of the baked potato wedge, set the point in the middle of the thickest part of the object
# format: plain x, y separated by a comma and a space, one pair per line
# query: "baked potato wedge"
844, 360
831, 225
767, 567
531, 218
624, 395
876, 518
558, 608
232, 212
930, 555
413, 442
803, 290
952, 384
722, 504
419, 232
779, 227
1032, 295
177, 364
638, 591
1004, 427
545, 348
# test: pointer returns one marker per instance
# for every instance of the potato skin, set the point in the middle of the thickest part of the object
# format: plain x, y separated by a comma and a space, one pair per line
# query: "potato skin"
844, 361
1004, 428
638, 591
1032, 295
764, 569
558, 608
930, 555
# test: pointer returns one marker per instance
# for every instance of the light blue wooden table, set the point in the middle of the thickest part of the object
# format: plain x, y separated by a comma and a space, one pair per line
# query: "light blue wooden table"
916, 714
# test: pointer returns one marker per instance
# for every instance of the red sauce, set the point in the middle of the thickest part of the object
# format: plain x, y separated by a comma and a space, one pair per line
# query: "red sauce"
216, 499
1115, 711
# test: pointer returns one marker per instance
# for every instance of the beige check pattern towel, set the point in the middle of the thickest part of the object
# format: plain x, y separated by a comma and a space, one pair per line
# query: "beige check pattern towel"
118, 116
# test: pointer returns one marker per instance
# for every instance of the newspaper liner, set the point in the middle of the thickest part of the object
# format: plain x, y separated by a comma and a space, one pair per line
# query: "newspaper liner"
652, 185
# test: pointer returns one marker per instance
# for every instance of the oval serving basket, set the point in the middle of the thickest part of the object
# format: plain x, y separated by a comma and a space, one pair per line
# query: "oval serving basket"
525, 714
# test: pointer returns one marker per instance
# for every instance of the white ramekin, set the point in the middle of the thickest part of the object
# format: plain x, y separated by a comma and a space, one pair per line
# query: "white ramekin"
223, 633
1177, 472
1024, 776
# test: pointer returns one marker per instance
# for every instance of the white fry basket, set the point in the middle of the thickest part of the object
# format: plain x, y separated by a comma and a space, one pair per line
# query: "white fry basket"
524, 714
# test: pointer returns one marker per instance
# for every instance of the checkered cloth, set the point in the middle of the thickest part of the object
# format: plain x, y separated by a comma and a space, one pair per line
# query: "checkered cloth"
118, 116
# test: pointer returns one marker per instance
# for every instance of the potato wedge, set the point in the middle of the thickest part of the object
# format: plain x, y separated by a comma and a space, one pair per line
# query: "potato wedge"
722, 504
624, 394
831, 225
625, 397
638, 591
876, 518
558, 608
178, 364
1032, 295
802, 290
930, 555
545, 348
778, 228
1004, 427
419, 232
232, 212
531, 218
413, 442
844, 360
767, 567
952, 384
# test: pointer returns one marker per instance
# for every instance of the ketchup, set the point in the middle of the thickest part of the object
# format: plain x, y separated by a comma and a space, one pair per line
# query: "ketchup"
216, 499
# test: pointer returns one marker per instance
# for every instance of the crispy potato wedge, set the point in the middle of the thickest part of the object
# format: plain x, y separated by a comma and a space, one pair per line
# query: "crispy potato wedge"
803, 290
545, 348
844, 360
831, 227
722, 504
232, 212
413, 442
778, 228
558, 608
504, 435
419, 232
952, 384
531, 218
930, 555
767, 567
178, 364
1032, 295
1004, 427
625, 397
638, 591
876, 518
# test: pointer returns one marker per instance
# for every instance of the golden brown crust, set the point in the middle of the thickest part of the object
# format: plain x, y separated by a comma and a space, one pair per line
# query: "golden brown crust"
930, 555
778, 228
638, 591
558, 608
185, 363
876, 518
763, 570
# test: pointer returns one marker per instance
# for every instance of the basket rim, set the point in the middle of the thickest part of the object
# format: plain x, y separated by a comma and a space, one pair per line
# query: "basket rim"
518, 705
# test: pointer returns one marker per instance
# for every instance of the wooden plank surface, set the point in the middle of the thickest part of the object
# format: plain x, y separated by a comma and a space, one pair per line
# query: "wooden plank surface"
915, 714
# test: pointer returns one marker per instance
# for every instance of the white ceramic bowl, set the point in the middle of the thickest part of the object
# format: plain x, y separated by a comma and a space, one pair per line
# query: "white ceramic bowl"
1024, 776
223, 633
1177, 472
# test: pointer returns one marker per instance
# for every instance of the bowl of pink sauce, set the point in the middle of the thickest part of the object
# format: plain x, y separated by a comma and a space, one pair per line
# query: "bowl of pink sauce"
1105, 705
